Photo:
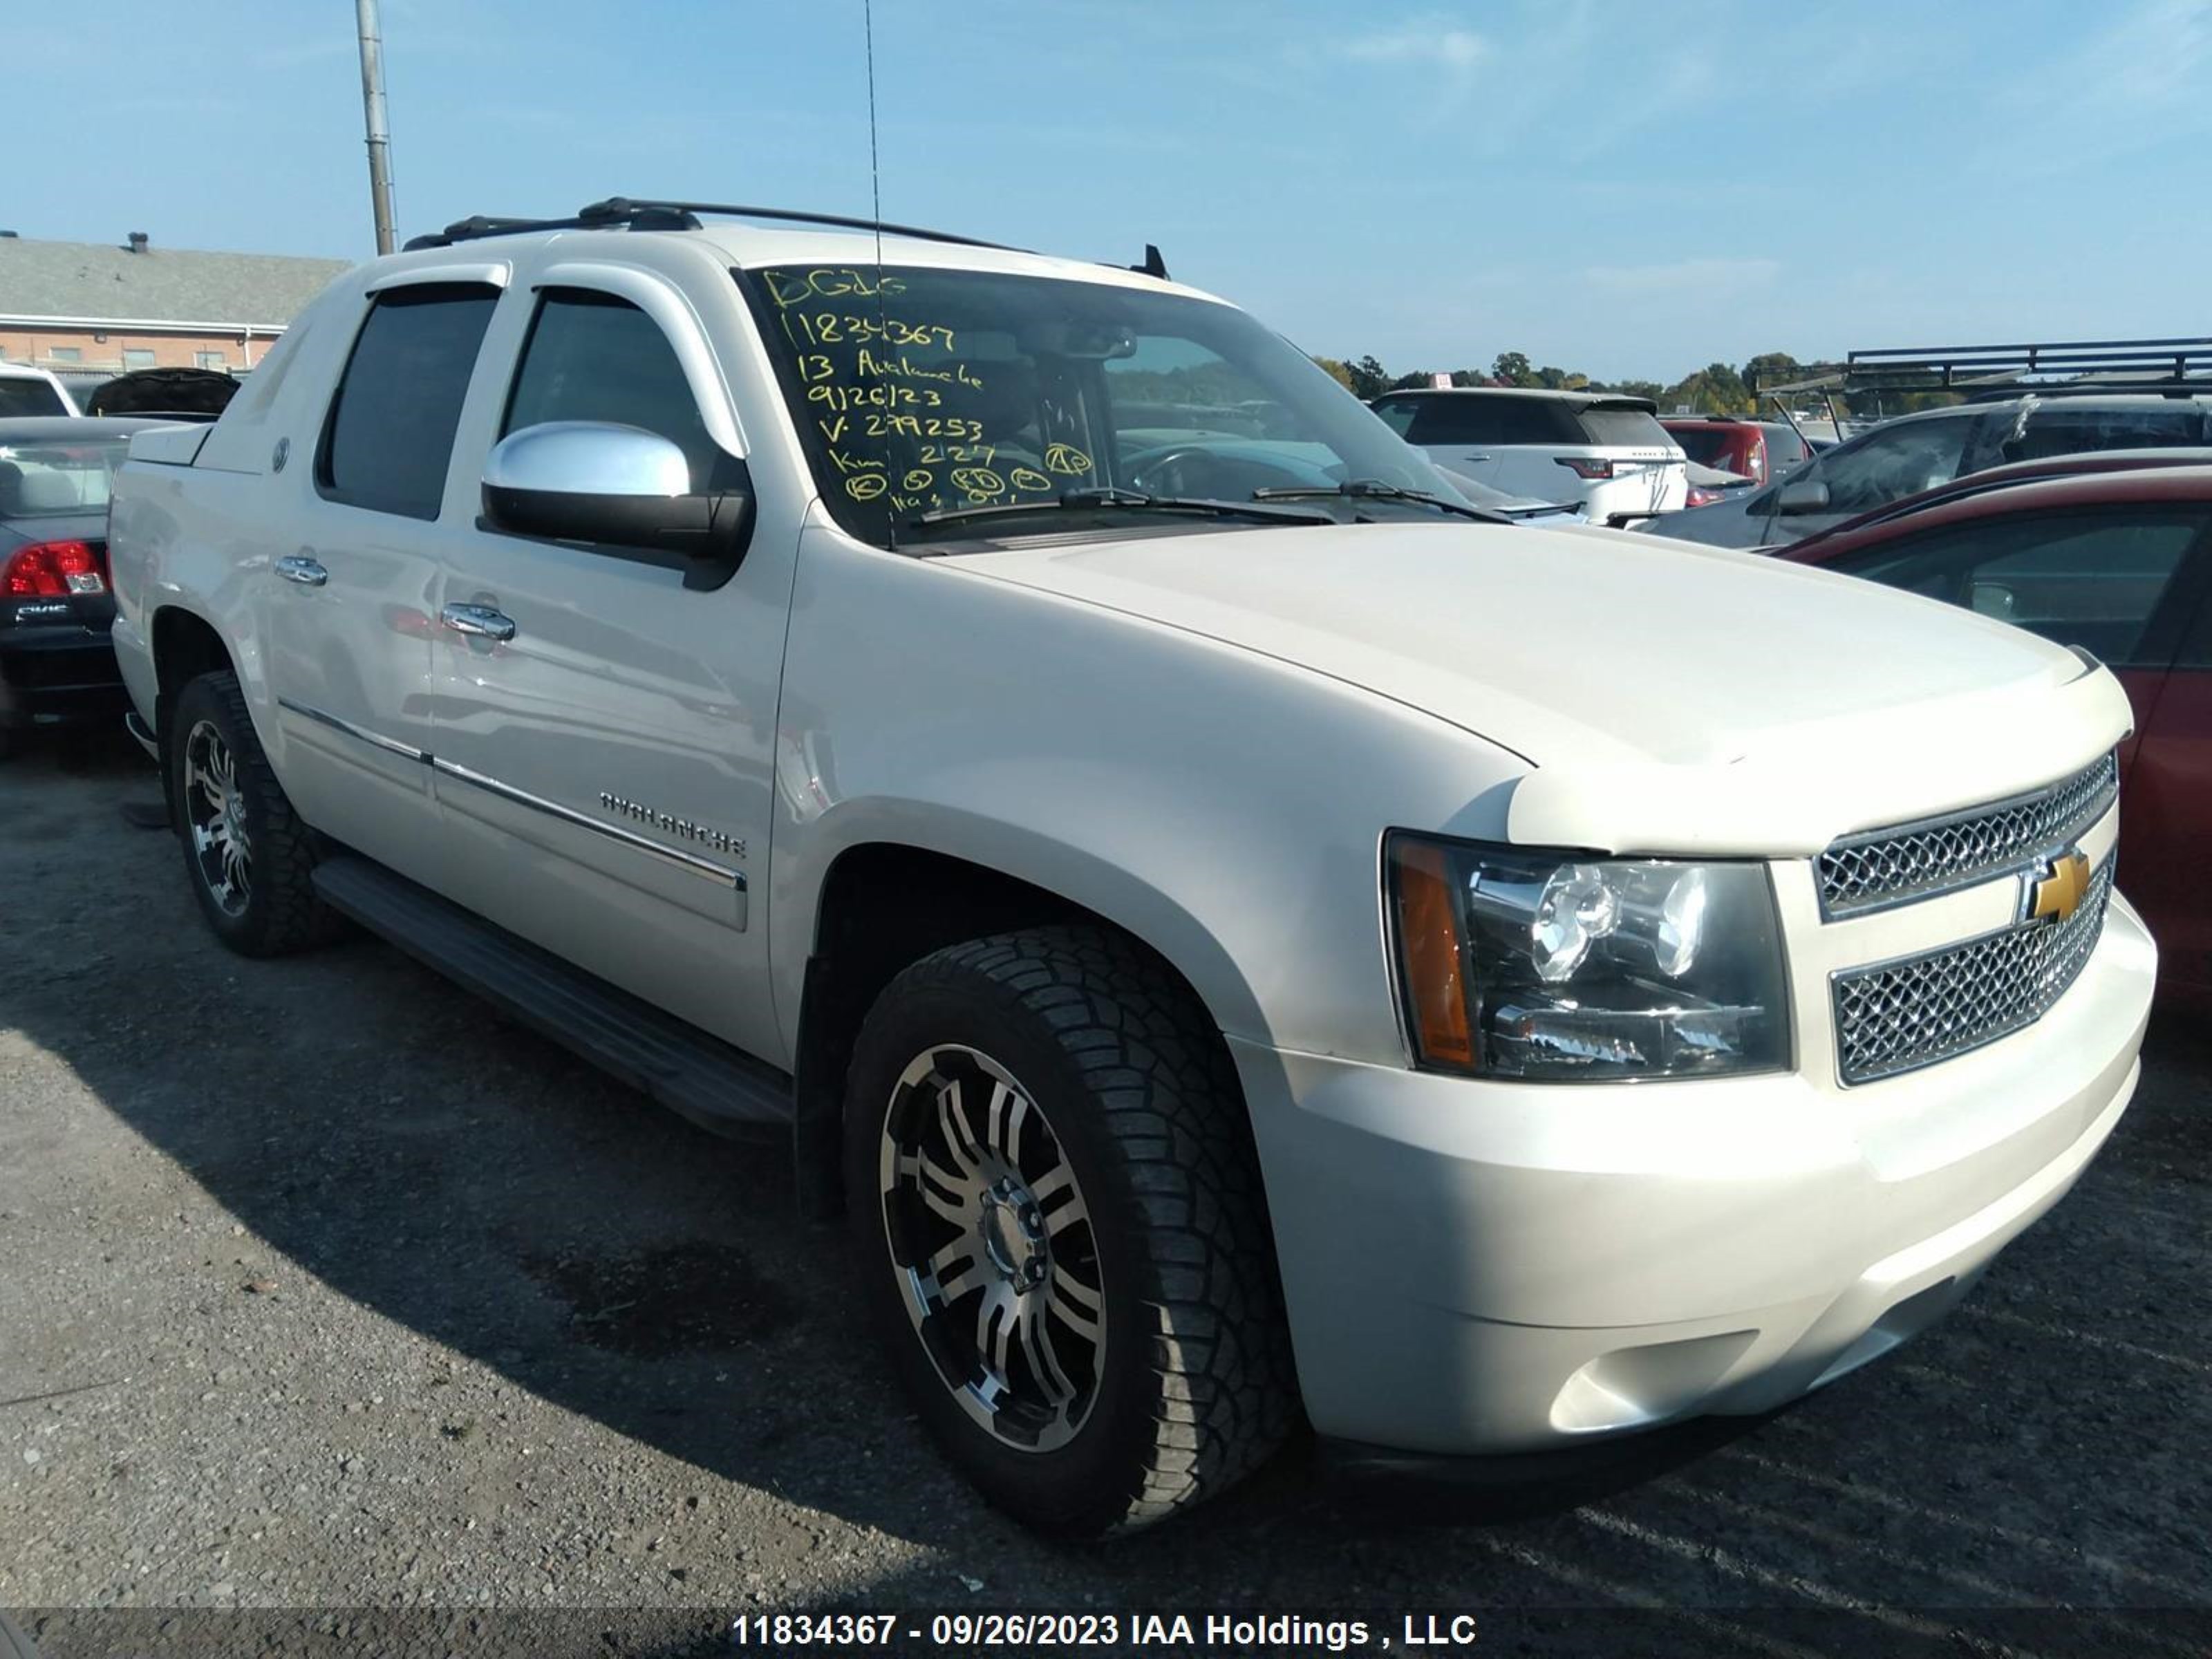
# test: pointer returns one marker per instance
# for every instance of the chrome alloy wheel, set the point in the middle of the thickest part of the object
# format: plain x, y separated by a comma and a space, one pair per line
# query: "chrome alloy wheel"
215, 813
993, 1245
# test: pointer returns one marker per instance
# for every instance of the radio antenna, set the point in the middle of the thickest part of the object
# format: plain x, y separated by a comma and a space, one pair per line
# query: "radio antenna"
876, 213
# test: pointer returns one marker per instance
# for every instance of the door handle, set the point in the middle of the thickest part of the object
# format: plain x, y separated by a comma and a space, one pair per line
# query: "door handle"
299, 567
478, 622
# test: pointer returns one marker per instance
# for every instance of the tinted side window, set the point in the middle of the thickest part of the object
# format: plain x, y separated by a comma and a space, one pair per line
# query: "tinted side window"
2065, 431
30, 397
390, 434
2196, 645
591, 356
2089, 579
1397, 415
1784, 446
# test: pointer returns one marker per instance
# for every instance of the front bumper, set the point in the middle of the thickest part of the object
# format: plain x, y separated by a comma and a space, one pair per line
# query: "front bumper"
62, 675
1476, 1267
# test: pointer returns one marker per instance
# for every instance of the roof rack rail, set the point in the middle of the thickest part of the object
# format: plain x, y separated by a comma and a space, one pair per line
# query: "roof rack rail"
639, 214
626, 213
652, 215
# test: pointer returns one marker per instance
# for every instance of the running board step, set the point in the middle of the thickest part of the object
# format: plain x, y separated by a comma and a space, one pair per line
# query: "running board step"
714, 1084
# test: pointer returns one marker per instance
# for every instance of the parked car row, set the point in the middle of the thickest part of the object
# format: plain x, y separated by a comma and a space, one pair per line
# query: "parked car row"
1914, 453
1746, 452
195, 394
1239, 932
1607, 456
57, 666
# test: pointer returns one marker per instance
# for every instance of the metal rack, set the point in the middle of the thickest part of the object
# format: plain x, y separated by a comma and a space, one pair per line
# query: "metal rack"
2064, 368
628, 213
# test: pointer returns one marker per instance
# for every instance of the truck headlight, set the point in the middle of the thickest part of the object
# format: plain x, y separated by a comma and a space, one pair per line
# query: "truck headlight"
1553, 966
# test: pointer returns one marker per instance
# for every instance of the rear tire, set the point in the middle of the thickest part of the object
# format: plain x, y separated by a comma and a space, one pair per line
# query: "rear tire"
247, 855
1061, 1231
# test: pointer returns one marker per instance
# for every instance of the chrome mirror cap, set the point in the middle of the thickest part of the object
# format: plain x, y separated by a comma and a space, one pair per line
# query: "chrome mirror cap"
588, 458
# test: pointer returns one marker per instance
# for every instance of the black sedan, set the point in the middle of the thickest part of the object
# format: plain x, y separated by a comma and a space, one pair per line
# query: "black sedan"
57, 666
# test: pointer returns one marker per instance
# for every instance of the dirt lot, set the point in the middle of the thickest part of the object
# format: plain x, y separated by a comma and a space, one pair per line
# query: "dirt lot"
322, 1288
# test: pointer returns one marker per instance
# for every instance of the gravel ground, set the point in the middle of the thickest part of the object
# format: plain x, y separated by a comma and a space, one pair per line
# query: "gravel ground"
321, 1287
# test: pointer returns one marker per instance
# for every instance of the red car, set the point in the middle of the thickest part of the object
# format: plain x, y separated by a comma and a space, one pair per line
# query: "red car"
2118, 564
1757, 450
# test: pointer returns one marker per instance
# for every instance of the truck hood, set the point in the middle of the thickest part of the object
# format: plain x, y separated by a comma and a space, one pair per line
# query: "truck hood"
1669, 696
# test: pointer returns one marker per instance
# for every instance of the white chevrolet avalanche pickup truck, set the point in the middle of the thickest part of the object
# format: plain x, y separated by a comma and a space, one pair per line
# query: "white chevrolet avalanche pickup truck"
1235, 932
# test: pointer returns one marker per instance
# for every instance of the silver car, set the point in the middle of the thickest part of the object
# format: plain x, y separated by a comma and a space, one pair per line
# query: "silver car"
1914, 453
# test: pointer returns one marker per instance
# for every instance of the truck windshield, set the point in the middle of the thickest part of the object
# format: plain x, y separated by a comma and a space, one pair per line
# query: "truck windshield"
919, 391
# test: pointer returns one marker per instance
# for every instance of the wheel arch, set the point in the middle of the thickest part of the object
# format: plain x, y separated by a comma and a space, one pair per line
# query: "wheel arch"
184, 645
883, 905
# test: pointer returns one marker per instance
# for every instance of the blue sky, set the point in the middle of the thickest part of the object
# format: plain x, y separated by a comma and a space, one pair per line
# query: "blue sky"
1627, 187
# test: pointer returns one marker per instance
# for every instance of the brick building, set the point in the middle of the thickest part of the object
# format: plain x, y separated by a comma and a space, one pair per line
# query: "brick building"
80, 306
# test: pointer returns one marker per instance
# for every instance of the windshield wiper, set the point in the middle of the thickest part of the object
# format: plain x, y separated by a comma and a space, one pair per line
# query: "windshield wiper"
1136, 500
1376, 490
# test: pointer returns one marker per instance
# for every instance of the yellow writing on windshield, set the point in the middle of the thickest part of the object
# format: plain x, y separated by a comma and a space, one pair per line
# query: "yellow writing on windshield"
913, 412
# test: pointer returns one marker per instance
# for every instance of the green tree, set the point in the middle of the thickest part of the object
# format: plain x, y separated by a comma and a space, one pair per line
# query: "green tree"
1772, 369
1512, 368
1369, 378
1715, 389
1336, 371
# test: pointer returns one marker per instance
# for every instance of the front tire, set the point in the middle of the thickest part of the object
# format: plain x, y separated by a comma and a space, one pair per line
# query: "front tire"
1061, 1230
247, 855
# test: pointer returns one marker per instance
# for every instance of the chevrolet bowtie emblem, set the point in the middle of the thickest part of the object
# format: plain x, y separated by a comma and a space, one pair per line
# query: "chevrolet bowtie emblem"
2056, 891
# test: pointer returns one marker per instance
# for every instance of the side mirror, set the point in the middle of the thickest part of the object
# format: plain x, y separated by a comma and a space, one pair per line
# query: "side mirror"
1802, 495
592, 480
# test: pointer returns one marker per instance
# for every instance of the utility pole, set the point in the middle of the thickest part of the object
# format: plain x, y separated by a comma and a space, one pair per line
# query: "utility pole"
373, 112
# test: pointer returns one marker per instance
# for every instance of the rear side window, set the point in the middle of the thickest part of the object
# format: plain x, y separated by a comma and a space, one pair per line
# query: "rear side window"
2065, 430
1636, 427
2094, 579
1784, 446
390, 434
1468, 418
591, 356
2197, 647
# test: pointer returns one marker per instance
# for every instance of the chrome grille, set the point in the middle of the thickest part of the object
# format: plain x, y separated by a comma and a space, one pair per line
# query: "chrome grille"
1908, 861
1896, 1016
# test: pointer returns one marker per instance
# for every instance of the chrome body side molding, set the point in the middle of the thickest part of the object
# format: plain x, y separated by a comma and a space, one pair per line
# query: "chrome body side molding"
374, 739
691, 863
